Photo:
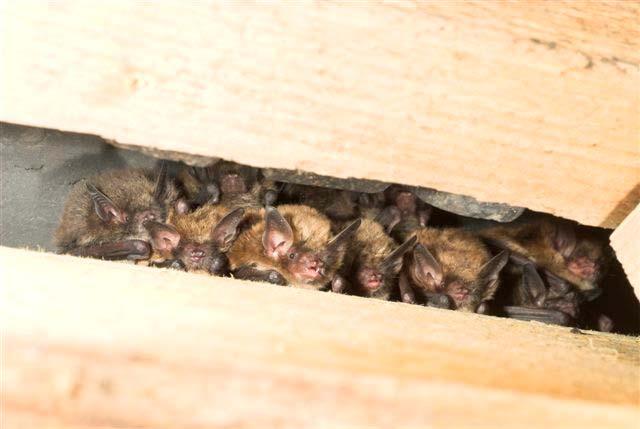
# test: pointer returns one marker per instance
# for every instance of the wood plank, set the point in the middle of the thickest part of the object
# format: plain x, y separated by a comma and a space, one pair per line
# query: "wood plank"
625, 240
530, 104
89, 343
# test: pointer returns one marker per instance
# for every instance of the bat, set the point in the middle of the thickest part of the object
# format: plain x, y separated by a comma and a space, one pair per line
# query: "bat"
119, 214
404, 213
527, 294
227, 183
450, 268
556, 246
206, 235
373, 261
294, 241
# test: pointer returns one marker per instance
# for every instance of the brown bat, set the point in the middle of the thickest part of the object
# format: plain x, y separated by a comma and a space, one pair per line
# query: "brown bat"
403, 213
555, 246
291, 244
450, 268
206, 234
528, 293
119, 214
227, 183
529, 298
373, 261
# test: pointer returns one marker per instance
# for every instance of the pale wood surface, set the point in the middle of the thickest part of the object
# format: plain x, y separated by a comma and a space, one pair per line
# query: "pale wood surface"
88, 343
625, 240
533, 104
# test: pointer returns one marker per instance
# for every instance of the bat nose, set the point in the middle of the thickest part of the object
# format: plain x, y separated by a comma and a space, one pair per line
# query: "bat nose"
315, 264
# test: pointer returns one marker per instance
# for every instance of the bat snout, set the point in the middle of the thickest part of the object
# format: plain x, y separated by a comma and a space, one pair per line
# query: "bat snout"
309, 267
370, 278
458, 292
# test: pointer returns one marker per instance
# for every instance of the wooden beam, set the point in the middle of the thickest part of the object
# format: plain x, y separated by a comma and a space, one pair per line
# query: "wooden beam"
625, 240
88, 343
528, 104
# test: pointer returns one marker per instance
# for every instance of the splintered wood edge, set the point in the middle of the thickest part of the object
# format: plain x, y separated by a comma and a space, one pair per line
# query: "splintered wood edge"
90, 343
519, 104
625, 240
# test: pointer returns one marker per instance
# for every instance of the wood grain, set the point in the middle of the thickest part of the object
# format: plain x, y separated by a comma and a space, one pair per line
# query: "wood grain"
625, 240
533, 103
88, 343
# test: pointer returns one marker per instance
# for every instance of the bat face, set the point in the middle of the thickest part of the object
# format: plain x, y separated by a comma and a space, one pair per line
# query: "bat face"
373, 261
294, 241
216, 183
305, 264
207, 234
557, 246
456, 264
586, 260
235, 178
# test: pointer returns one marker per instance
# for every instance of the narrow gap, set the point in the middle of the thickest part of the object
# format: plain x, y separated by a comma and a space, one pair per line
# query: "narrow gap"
556, 271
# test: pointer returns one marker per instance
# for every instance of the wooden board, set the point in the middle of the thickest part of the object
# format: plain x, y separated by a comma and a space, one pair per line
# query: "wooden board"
89, 343
530, 104
625, 240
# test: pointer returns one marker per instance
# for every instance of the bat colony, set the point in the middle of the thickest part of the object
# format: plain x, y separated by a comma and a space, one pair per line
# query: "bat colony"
226, 219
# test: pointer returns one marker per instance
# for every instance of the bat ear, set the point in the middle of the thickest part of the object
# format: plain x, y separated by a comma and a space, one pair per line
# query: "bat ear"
160, 181
106, 209
277, 238
226, 231
426, 268
564, 240
490, 274
393, 262
343, 237
534, 285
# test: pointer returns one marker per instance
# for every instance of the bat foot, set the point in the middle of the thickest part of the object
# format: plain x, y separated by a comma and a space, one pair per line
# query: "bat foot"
439, 300
605, 324
275, 278
256, 275
219, 265
338, 284
138, 250
408, 298
174, 264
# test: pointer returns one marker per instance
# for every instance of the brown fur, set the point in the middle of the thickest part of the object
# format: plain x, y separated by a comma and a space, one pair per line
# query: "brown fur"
461, 256
368, 249
534, 241
131, 190
196, 226
195, 229
311, 229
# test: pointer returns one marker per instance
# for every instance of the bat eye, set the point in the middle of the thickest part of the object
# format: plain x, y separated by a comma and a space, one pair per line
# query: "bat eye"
292, 255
